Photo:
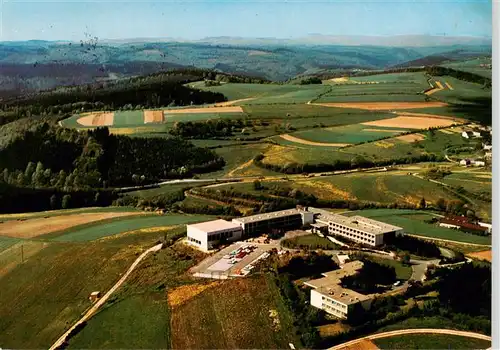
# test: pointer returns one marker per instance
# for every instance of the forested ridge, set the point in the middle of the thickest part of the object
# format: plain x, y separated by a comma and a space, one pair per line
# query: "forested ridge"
39, 155
151, 91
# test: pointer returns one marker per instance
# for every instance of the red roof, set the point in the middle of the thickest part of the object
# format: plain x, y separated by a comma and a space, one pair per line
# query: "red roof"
464, 224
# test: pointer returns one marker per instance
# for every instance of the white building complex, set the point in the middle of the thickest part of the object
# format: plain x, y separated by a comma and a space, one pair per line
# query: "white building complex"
357, 228
327, 294
284, 219
207, 235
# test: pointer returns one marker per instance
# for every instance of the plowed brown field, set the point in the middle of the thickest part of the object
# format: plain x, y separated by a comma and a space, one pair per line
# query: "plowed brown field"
153, 117
97, 119
410, 122
484, 255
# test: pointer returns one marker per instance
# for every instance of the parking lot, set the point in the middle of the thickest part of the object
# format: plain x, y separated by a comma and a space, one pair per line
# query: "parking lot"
235, 260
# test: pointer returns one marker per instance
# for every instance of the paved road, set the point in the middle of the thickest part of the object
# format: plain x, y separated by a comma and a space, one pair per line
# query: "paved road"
101, 301
413, 331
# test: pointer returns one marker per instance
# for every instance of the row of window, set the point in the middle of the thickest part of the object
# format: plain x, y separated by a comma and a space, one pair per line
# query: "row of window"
355, 237
333, 310
194, 240
219, 236
336, 303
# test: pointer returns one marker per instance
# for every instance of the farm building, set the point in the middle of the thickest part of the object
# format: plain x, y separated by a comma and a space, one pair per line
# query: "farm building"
465, 162
460, 222
285, 219
327, 293
358, 228
487, 147
207, 235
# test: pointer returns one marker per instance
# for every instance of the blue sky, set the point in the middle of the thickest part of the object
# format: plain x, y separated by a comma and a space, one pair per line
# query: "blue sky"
70, 20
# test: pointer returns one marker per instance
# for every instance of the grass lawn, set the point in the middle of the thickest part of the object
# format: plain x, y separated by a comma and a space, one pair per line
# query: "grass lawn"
312, 241
431, 341
234, 315
402, 272
141, 321
94, 231
461, 90
404, 219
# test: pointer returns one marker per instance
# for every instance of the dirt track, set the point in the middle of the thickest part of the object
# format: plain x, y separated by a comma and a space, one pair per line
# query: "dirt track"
226, 109
230, 103
380, 106
311, 143
97, 119
105, 297
410, 122
39, 226
411, 331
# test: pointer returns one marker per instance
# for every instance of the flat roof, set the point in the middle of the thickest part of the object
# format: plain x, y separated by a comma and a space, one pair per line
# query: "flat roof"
330, 286
267, 216
214, 225
360, 223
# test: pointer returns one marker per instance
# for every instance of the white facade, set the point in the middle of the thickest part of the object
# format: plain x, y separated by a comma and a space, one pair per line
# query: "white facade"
207, 235
484, 224
487, 147
465, 134
328, 304
359, 229
442, 224
476, 134
479, 163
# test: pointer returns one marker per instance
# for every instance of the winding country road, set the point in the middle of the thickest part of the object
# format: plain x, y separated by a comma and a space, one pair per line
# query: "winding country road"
106, 296
412, 331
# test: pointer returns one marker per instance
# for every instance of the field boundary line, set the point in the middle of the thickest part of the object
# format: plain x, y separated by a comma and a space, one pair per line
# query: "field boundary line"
448, 240
291, 138
101, 301
413, 331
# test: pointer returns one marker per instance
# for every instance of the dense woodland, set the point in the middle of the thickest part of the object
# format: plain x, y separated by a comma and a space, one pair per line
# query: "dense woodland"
43, 157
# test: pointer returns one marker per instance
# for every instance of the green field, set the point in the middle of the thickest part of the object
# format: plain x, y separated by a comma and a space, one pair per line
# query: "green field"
462, 90
94, 231
195, 117
355, 133
266, 93
61, 212
6, 242
234, 315
128, 118
417, 78
476, 183
431, 341
472, 66
416, 226
141, 321
165, 189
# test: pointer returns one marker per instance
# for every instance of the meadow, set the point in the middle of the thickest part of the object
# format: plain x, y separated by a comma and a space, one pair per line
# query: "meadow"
352, 134
430, 341
462, 91
416, 78
236, 311
94, 231
265, 93
414, 225
128, 118
472, 66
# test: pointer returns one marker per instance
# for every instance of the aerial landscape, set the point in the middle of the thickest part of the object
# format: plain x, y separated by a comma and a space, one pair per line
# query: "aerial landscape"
225, 175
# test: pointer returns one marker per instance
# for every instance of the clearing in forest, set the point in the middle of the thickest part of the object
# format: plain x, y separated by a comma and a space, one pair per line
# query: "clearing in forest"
153, 117
97, 119
36, 227
410, 122
380, 106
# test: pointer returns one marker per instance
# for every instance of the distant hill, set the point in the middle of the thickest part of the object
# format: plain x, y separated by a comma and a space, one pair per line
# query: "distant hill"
36, 65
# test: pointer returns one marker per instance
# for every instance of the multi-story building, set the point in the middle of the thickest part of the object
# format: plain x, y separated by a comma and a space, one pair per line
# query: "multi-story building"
207, 235
327, 293
358, 228
263, 223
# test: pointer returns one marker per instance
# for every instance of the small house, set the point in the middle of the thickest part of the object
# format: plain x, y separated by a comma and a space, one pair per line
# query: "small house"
476, 134
466, 134
478, 163
465, 162
94, 296
487, 147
